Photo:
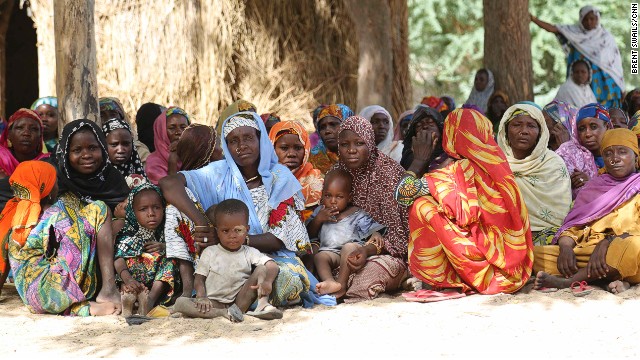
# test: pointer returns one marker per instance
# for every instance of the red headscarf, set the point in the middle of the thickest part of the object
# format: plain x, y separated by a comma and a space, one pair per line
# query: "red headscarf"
8, 162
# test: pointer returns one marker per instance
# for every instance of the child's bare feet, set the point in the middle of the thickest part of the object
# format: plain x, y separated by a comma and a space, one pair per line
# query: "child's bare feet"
128, 300
618, 286
328, 287
143, 302
103, 308
550, 281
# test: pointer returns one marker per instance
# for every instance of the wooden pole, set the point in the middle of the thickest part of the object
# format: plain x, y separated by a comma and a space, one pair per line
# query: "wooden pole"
76, 72
6, 8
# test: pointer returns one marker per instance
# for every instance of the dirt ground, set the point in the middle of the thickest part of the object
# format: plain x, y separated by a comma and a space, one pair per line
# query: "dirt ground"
526, 325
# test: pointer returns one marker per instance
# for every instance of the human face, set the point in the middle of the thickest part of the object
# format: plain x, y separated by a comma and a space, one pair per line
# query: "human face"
481, 81
618, 119
119, 146
522, 134
232, 230
106, 115
498, 106
381, 125
49, 116
580, 73
590, 21
353, 150
428, 124
620, 161
85, 154
336, 194
290, 151
147, 206
328, 128
590, 133
244, 145
176, 124
24, 135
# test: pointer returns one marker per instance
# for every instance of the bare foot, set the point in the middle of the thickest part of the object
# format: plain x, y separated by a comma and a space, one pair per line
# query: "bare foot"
143, 302
104, 308
128, 300
328, 287
618, 286
545, 280
109, 294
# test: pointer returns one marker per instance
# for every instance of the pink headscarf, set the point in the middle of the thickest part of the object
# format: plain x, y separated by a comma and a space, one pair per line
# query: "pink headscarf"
157, 165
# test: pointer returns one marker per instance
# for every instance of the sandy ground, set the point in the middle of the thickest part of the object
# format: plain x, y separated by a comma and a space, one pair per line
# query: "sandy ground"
527, 325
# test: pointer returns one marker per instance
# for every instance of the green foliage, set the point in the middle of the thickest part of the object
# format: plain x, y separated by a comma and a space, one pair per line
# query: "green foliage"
446, 43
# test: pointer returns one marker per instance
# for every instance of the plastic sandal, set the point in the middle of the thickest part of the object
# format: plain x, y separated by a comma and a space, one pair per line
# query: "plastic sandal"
580, 288
425, 296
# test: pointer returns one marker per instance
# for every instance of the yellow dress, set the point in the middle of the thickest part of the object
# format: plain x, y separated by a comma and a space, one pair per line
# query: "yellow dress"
622, 255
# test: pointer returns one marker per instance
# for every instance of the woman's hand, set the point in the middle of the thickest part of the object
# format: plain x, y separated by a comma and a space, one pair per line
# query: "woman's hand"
423, 145
578, 179
205, 236
357, 259
119, 211
567, 264
154, 247
131, 285
327, 214
597, 266
560, 133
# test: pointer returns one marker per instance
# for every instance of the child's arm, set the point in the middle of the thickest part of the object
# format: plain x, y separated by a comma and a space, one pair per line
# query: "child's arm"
202, 301
265, 282
130, 284
324, 215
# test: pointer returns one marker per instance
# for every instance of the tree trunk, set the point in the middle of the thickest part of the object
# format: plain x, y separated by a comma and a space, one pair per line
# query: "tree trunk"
6, 8
507, 47
401, 86
372, 22
76, 75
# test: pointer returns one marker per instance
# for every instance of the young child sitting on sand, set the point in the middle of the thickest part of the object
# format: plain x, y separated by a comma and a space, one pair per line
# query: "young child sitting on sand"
143, 271
224, 281
341, 228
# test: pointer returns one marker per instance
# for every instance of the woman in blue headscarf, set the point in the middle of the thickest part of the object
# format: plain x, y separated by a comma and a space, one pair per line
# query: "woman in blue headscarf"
250, 172
47, 108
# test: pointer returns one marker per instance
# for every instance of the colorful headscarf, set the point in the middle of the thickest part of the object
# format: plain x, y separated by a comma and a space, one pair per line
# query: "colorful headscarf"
31, 182
131, 239
196, 146
309, 177
594, 110
8, 162
481, 98
236, 107
145, 118
157, 165
451, 100
634, 124
321, 158
134, 164
270, 116
113, 104
435, 103
47, 100
373, 188
387, 146
106, 184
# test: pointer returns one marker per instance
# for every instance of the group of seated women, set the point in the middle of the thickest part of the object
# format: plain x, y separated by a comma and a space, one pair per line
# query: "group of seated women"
238, 220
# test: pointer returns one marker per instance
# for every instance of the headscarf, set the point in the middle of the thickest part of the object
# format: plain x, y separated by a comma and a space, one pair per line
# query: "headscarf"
373, 188
634, 125
196, 146
472, 107
236, 107
575, 156
624, 115
134, 164
481, 98
113, 104
435, 103
594, 110
451, 99
157, 165
8, 162
577, 95
31, 182
107, 184
270, 116
597, 45
131, 239
321, 158
221, 180
315, 137
421, 112
605, 193
403, 118
145, 118
309, 177
542, 176
391, 148
47, 100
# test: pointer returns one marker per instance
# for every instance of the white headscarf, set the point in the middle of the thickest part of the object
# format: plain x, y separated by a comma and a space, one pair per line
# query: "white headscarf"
388, 146
597, 45
481, 98
542, 177
575, 94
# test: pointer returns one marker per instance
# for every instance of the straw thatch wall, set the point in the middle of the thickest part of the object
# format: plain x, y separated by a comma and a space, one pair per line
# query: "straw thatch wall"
285, 56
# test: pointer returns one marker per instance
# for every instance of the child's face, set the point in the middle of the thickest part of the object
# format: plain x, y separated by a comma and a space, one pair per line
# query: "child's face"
232, 230
481, 81
580, 74
336, 194
147, 206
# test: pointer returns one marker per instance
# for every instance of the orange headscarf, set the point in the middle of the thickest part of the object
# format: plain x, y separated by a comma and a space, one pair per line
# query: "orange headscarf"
31, 182
309, 177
